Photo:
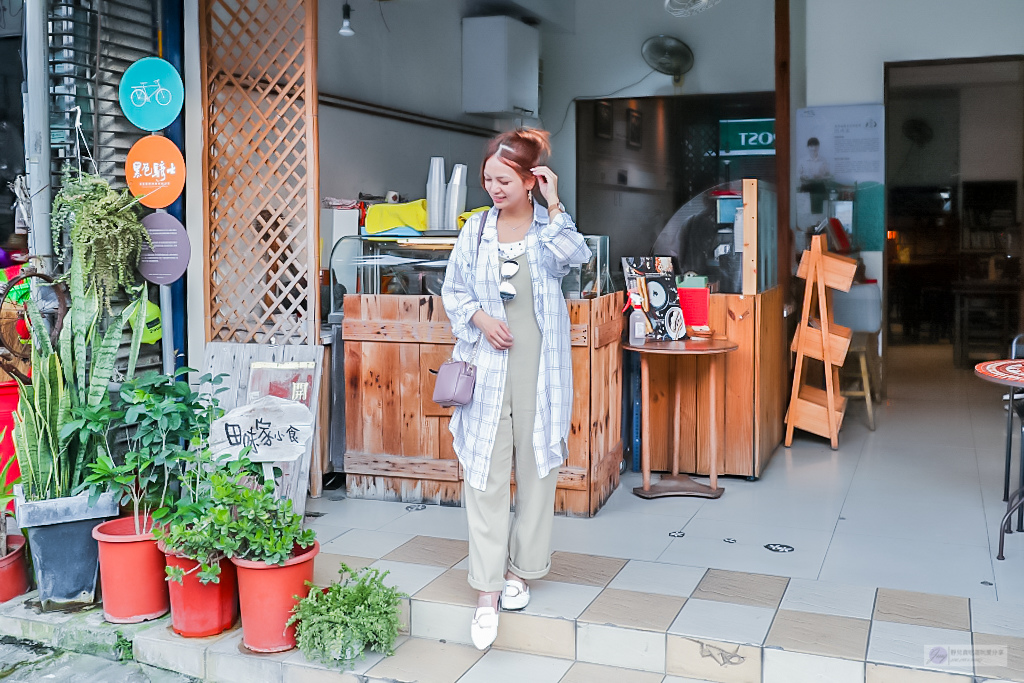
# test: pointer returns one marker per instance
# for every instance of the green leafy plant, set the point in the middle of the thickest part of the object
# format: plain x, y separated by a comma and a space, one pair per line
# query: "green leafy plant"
337, 624
6, 496
188, 528
161, 416
77, 374
49, 469
104, 230
252, 523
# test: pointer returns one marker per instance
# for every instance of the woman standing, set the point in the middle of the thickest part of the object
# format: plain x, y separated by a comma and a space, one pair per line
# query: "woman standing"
502, 292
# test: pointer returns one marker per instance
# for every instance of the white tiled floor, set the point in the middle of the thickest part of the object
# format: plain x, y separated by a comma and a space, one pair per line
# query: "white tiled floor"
914, 505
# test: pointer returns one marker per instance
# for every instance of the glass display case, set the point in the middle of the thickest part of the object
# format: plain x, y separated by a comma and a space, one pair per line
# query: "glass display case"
364, 264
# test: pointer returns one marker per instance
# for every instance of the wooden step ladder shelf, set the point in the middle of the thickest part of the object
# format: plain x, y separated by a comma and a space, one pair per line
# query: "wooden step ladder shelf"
819, 338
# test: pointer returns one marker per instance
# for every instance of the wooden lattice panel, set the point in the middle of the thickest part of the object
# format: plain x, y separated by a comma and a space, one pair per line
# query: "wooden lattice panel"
260, 173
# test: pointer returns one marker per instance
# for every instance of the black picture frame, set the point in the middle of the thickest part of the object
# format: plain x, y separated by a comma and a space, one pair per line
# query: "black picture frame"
603, 120
634, 129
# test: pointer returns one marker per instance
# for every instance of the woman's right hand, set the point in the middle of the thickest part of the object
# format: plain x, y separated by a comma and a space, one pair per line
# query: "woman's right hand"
495, 331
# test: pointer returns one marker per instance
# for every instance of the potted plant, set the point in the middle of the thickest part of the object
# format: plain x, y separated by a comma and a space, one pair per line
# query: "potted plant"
202, 580
102, 228
272, 554
338, 624
13, 569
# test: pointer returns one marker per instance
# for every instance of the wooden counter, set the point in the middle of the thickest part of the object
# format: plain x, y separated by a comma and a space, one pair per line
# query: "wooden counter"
753, 381
397, 444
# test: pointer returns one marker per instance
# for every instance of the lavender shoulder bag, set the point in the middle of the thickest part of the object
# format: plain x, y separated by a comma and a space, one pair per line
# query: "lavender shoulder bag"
456, 379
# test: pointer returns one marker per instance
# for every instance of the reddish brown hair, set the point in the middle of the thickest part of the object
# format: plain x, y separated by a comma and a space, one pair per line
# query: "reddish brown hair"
520, 150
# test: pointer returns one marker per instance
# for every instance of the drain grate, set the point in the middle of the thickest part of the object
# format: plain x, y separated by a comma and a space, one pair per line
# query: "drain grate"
416, 508
780, 548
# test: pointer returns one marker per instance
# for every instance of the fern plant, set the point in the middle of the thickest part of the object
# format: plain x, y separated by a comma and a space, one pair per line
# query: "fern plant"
338, 624
104, 229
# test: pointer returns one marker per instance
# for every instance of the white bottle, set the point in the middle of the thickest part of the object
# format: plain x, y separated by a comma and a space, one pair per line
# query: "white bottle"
637, 323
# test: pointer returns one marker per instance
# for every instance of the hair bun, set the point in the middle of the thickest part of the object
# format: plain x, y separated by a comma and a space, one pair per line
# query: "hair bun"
540, 138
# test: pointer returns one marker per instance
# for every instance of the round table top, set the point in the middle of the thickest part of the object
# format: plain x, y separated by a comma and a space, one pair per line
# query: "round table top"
1007, 372
702, 347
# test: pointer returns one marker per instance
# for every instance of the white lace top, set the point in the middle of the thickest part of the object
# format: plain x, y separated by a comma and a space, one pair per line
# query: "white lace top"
511, 250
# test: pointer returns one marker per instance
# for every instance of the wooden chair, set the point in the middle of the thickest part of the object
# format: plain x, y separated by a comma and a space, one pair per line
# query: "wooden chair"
861, 310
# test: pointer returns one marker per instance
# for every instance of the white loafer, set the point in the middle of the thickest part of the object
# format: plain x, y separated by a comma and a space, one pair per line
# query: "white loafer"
515, 596
484, 628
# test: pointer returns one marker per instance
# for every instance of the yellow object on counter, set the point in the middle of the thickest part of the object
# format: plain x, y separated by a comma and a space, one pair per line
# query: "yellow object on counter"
381, 217
463, 217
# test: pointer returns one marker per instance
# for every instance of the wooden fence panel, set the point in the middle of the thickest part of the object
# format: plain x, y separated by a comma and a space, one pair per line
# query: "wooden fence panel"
260, 177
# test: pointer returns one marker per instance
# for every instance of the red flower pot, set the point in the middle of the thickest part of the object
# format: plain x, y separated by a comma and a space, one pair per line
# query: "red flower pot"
267, 593
13, 574
198, 609
132, 575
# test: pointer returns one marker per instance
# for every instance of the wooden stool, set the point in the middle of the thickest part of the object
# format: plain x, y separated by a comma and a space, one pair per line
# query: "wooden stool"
863, 345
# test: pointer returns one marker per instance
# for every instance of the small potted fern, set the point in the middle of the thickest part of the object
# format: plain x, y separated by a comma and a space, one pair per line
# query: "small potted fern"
338, 624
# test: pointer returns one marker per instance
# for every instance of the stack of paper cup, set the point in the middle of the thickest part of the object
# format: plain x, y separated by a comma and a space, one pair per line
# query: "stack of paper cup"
455, 199
435, 194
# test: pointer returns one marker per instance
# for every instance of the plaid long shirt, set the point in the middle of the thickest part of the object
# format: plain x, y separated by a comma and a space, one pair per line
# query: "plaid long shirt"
552, 248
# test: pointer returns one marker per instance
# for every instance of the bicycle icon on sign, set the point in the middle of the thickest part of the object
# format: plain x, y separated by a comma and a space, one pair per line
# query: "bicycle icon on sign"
145, 92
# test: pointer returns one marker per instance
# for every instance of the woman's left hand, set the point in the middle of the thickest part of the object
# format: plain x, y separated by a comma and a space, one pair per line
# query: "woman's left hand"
547, 183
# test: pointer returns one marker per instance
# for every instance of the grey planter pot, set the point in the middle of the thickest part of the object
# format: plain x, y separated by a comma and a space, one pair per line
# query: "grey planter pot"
64, 553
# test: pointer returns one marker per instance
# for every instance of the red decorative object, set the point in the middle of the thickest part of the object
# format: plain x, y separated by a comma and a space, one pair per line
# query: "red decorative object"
13, 569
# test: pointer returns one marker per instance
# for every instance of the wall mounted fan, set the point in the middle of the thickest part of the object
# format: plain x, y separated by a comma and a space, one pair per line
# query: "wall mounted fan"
668, 55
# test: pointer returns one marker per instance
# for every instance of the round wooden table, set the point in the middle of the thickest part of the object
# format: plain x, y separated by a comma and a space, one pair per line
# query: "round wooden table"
676, 484
1009, 373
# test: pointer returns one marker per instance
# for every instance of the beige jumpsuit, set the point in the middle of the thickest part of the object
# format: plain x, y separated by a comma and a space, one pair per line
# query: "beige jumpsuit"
527, 547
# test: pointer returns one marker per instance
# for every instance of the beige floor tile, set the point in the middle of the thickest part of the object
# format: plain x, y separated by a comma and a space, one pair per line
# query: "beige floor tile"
881, 673
427, 661
536, 635
589, 570
630, 609
796, 667
326, 566
228, 661
741, 588
451, 587
442, 621
160, 646
621, 647
583, 672
923, 609
820, 634
440, 552
708, 660
1012, 670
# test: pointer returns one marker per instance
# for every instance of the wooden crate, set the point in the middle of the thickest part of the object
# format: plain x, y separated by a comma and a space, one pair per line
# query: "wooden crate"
398, 446
752, 379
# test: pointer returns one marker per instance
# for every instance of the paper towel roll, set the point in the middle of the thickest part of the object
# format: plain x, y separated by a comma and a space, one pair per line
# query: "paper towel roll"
435, 194
455, 198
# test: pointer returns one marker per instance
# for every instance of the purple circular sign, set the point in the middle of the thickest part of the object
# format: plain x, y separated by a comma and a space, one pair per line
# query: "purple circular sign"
167, 260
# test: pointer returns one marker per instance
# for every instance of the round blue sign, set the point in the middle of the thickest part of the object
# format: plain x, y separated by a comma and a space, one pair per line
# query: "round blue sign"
151, 93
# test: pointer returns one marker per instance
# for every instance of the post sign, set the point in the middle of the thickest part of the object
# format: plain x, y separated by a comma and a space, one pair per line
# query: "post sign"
746, 137
155, 171
165, 262
151, 93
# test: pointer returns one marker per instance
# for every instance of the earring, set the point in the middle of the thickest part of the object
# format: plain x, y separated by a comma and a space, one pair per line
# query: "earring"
530, 193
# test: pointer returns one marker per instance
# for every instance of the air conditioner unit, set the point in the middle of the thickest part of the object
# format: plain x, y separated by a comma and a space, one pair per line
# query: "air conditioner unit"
500, 67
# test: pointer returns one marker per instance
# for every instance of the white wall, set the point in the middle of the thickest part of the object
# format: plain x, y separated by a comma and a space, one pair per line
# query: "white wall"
414, 64
733, 45
848, 42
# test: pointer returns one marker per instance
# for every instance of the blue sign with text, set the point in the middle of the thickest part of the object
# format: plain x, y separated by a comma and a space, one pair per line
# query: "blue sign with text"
151, 93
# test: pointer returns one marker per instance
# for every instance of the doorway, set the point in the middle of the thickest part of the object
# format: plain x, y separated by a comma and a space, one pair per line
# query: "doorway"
954, 172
